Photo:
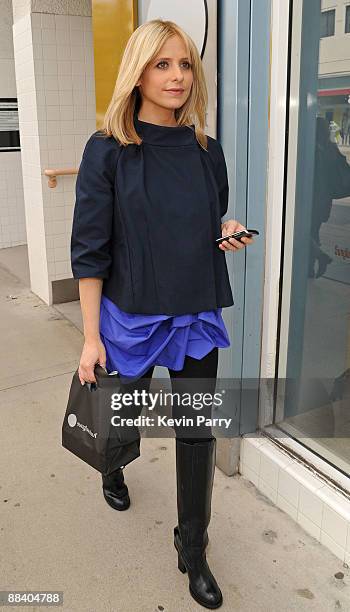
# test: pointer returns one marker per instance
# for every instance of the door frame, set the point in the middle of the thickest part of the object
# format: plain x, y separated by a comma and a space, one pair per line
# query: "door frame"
243, 121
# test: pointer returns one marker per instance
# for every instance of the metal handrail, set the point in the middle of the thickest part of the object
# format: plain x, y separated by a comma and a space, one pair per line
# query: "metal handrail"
53, 173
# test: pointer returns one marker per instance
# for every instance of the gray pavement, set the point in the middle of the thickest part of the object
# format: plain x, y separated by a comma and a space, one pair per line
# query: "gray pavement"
57, 532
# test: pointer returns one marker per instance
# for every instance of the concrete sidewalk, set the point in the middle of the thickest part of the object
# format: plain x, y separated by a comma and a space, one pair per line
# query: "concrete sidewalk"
57, 532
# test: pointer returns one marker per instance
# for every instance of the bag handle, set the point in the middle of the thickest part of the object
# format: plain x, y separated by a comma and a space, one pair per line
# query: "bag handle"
99, 372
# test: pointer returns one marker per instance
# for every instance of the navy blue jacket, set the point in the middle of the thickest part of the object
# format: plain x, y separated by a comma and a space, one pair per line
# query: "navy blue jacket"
146, 218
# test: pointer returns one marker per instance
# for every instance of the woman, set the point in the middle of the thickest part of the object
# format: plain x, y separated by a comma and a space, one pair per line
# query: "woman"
151, 190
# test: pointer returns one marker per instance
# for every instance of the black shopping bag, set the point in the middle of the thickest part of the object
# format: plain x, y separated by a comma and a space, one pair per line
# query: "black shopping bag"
87, 431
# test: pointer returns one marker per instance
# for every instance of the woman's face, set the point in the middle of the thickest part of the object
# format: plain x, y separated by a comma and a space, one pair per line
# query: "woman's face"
171, 69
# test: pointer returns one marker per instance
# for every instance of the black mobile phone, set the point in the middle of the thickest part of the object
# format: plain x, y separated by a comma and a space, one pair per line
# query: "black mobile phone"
238, 235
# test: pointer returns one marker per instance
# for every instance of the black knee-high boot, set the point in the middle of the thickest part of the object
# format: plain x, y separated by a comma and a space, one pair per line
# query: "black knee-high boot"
115, 490
195, 466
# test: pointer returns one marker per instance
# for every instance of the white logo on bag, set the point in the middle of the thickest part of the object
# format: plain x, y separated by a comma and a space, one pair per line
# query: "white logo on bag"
73, 421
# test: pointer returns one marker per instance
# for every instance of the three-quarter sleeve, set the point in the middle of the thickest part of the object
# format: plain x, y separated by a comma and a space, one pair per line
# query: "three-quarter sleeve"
222, 180
93, 212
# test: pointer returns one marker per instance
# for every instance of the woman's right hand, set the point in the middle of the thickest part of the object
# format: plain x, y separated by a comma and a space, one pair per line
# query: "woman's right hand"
93, 352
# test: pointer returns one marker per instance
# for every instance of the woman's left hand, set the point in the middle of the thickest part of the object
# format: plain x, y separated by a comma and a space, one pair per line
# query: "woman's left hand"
229, 227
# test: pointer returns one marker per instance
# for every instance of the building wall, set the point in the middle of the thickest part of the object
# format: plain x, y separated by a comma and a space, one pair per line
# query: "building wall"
57, 113
12, 227
335, 50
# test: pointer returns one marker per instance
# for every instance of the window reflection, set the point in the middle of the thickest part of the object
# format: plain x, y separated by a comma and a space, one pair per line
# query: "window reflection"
316, 393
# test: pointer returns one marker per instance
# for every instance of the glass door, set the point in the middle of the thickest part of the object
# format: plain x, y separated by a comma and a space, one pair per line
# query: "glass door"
313, 395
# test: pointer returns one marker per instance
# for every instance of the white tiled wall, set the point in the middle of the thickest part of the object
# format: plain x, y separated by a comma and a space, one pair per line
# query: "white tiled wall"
56, 95
63, 57
30, 155
12, 222
12, 226
322, 511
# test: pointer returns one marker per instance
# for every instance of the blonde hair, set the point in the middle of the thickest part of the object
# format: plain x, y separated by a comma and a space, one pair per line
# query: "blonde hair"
142, 47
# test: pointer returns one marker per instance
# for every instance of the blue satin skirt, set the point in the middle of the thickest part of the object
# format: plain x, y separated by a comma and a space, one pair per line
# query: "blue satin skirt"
135, 342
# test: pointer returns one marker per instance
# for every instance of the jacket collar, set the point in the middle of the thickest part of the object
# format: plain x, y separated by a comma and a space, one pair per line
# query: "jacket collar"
162, 135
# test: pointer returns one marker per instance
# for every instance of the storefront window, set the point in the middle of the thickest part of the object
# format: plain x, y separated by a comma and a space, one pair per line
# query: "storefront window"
313, 399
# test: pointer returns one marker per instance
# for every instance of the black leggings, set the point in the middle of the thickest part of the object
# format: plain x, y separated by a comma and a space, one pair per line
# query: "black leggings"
205, 372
